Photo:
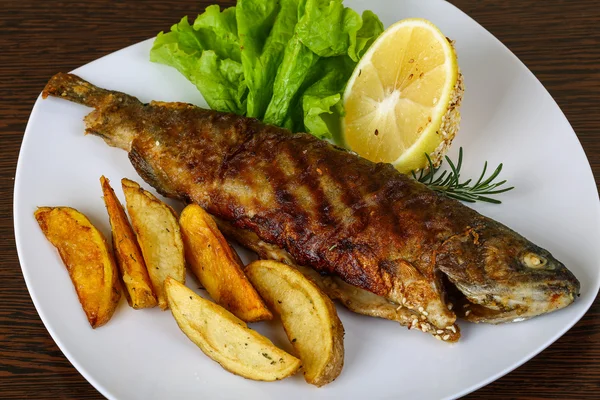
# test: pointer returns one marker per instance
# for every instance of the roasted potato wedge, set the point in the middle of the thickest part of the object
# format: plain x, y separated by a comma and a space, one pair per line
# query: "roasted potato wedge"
87, 257
309, 318
138, 287
227, 339
158, 234
218, 267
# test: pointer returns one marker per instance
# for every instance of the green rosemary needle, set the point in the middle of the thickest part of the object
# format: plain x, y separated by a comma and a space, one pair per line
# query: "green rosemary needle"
448, 182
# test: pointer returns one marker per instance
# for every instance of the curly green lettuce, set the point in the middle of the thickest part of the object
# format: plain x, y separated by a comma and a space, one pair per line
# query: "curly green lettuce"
285, 62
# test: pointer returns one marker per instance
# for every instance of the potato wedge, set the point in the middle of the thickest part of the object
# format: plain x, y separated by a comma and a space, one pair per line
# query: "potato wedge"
218, 267
87, 257
309, 318
158, 234
134, 275
227, 339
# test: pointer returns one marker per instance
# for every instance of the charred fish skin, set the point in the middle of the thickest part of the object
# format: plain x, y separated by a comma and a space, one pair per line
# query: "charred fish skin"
332, 210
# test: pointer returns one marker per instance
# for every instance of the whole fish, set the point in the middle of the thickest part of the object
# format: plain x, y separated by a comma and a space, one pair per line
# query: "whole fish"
383, 243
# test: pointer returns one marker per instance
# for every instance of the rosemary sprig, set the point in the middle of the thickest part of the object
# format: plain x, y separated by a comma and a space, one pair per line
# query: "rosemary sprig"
448, 183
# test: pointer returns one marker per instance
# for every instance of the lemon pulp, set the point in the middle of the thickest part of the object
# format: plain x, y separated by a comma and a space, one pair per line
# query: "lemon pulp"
402, 101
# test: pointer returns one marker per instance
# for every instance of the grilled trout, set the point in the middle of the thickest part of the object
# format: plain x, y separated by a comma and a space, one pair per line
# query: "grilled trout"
380, 241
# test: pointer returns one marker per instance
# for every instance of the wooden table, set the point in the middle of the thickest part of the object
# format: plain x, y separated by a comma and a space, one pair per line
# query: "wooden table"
559, 40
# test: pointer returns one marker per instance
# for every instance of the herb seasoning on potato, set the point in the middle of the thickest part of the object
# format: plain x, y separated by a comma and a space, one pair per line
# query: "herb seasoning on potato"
158, 234
309, 318
227, 339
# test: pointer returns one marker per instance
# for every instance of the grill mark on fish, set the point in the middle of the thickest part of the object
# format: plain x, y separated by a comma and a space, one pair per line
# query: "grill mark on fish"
300, 227
311, 212
334, 205
320, 207
341, 208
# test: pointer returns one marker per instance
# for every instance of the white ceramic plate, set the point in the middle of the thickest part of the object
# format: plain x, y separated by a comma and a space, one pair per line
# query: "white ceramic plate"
507, 117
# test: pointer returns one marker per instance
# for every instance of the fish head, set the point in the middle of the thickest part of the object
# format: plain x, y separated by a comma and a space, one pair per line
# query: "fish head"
495, 275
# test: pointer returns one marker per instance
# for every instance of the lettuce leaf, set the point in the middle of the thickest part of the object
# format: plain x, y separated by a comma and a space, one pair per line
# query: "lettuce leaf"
217, 31
296, 65
208, 55
265, 27
327, 27
286, 62
177, 48
321, 101
221, 82
369, 31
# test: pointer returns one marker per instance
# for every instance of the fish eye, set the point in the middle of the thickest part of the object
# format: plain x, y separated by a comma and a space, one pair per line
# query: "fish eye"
532, 260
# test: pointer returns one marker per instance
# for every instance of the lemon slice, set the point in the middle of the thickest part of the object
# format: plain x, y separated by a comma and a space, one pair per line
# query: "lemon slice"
402, 100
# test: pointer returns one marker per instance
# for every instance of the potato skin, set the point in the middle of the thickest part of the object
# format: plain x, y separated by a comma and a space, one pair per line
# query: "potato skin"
309, 318
87, 257
134, 276
159, 236
227, 339
218, 267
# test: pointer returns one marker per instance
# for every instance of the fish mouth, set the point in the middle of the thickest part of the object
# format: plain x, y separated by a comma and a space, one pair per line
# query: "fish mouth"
519, 303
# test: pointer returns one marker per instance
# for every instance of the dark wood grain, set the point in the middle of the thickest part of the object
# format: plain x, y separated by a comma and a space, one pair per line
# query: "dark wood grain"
559, 40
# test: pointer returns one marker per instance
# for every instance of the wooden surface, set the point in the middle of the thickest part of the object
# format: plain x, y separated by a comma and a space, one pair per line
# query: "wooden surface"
559, 40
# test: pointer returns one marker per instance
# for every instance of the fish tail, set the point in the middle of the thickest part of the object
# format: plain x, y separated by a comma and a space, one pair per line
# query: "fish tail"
73, 88
115, 113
